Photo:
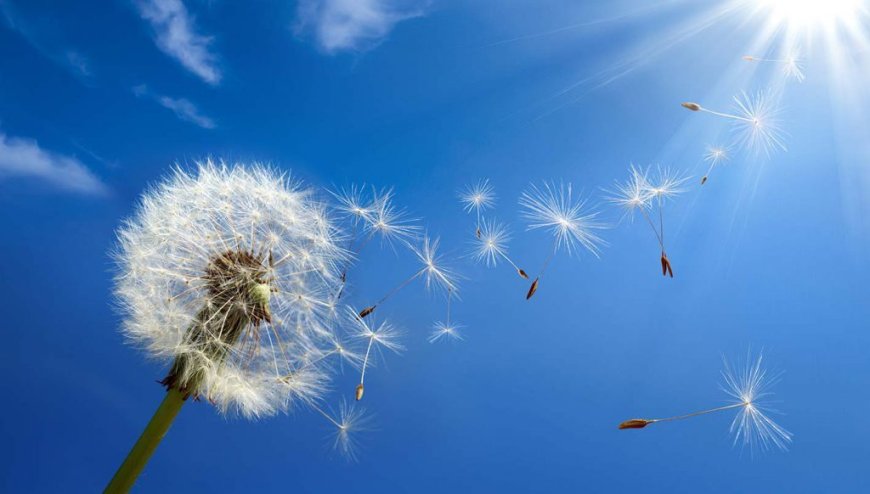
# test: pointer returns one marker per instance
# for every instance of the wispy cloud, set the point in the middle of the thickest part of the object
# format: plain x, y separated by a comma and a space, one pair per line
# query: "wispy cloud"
48, 42
352, 25
24, 158
183, 108
175, 33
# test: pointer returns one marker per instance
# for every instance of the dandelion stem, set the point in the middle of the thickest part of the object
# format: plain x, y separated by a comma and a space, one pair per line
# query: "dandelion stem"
702, 412
147, 443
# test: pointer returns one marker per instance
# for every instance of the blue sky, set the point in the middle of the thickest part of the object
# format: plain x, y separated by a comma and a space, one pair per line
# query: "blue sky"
99, 99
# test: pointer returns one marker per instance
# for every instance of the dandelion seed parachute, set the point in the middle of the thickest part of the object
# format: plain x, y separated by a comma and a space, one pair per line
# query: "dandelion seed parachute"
491, 246
555, 208
747, 386
756, 122
476, 198
715, 155
641, 193
379, 336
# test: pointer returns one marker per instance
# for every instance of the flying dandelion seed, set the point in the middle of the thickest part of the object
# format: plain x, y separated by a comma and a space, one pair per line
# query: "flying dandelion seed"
382, 218
349, 421
715, 155
372, 215
492, 246
446, 330
225, 274
756, 123
476, 198
640, 193
747, 386
554, 208
792, 66
433, 271
379, 336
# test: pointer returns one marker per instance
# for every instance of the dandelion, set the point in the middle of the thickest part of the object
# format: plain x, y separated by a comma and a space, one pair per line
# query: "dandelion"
756, 123
225, 274
432, 271
492, 246
476, 198
747, 388
555, 209
714, 156
792, 66
379, 336
640, 193
447, 330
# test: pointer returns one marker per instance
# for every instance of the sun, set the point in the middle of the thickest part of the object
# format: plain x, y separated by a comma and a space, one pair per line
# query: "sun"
811, 13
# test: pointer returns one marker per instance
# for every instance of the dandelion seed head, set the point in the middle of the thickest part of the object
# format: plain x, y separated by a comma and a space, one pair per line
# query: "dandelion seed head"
223, 271
555, 208
478, 197
747, 383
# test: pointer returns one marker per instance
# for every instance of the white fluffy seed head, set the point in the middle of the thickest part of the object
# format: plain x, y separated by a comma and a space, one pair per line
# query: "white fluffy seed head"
228, 273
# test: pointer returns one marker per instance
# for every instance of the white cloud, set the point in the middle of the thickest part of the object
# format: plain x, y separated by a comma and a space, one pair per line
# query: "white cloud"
353, 25
24, 158
175, 34
182, 107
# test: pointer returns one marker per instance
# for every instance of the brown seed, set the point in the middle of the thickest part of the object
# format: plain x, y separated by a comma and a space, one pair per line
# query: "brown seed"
532, 289
522, 274
366, 311
749, 58
691, 106
703, 179
360, 389
478, 232
664, 264
634, 424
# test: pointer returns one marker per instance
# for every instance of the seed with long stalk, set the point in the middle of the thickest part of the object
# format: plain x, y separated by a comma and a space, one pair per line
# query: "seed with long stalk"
715, 155
792, 66
476, 198
224, 274
377, 336
747, 387
640, 193
491, 246
433, 271
756, 123
554, 208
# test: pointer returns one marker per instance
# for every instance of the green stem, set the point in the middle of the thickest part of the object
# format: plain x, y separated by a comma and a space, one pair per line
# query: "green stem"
147, 443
